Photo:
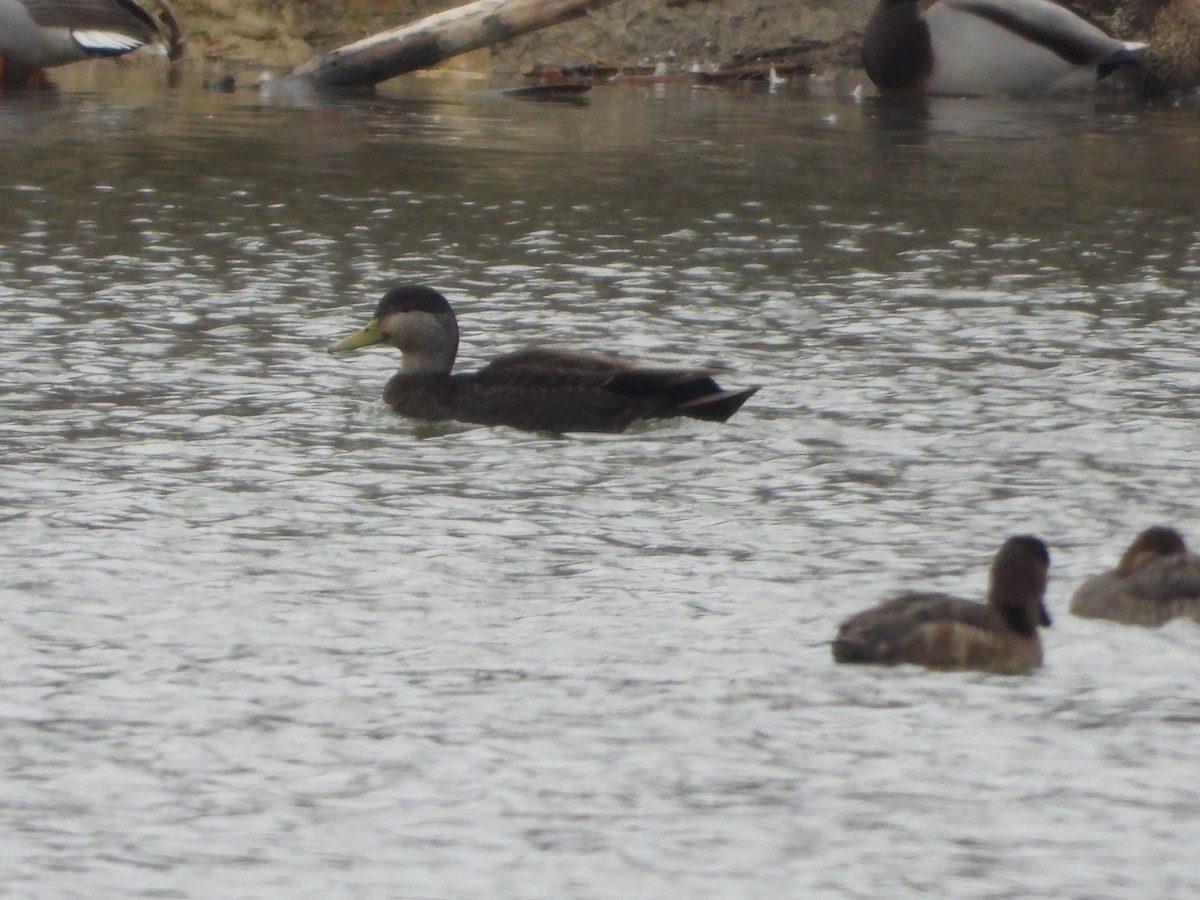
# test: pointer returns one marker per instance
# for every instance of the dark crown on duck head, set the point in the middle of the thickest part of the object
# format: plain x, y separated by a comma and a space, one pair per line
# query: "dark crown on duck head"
1155, 541
1027, 546
412, 298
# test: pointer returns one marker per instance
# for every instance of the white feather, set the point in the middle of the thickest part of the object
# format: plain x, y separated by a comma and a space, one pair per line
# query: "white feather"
106, 41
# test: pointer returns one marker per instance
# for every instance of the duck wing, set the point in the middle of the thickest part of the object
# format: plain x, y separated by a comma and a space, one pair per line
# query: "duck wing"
551, 363
119, 16
884, 633
1167, 579
1062, 32
650, 388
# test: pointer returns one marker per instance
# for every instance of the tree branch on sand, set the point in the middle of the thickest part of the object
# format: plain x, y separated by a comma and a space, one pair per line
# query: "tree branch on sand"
435, 38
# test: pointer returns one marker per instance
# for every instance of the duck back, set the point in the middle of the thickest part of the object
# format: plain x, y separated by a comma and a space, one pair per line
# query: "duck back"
545, 389
1164, 589
938, 631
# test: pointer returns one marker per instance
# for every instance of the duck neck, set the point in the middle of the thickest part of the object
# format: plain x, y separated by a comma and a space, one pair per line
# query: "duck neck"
428, 361
429, 345
896, 50
1019, 601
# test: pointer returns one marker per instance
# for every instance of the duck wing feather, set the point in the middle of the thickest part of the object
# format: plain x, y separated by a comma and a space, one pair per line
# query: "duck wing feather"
1049, 25
881, 634
613, 381
122, 16
1166, 579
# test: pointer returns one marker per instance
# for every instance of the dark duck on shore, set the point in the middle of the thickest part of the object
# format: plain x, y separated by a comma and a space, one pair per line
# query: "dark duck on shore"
978, 47
1155, 580
943, 632
536, 389
40, 34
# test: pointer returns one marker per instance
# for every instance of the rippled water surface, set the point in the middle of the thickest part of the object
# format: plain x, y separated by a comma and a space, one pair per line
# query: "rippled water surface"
266, 638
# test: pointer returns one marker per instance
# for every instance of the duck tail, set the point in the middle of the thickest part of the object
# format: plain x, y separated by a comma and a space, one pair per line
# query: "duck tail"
680, 392
847, 650
174, 37
165, 33
716, 407
1128, 57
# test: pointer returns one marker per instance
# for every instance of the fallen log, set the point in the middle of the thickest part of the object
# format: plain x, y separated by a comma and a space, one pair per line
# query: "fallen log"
435, 38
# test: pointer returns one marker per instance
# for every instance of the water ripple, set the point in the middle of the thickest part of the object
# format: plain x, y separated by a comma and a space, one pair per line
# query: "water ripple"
266, 637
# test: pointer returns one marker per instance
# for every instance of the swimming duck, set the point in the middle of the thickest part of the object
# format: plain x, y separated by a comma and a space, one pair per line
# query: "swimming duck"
944, 632
1155, 580
987, 47
40, 34
536, 389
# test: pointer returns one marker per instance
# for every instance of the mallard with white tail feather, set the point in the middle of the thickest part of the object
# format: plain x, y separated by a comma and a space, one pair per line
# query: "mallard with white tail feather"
41, 34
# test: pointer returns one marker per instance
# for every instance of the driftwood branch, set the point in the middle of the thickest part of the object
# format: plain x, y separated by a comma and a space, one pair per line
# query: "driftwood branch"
438, 37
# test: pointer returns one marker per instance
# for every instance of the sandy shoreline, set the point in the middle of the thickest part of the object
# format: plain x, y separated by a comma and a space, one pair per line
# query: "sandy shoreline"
820, 35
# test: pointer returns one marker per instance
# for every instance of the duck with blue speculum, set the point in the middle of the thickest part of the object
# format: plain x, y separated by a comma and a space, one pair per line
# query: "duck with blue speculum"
983, 47
535, 389
939, 631
1156, 580
41, 34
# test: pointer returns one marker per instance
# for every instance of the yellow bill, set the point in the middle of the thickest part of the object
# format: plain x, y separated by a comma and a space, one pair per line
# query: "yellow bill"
366, 336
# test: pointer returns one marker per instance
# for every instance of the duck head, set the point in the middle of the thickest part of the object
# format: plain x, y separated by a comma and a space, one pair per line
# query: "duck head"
1155, 541
897, 50
417, 321
1017, 584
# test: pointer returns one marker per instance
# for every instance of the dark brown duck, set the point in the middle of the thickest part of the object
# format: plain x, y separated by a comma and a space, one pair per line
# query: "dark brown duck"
536, 389
1155, 580
945, 632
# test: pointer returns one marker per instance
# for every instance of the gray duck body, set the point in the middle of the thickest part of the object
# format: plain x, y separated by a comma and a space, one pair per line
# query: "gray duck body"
974, 47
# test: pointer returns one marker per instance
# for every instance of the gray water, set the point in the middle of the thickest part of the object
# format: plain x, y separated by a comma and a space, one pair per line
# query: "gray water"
265, 638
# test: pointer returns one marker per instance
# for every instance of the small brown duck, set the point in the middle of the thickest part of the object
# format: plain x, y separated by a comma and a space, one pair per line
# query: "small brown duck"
1155, 580
944, 632
40, 34
536, 389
